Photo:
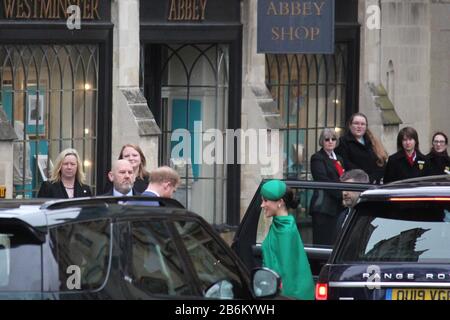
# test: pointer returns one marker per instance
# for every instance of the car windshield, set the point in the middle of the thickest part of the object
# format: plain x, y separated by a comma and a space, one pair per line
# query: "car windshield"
398, 232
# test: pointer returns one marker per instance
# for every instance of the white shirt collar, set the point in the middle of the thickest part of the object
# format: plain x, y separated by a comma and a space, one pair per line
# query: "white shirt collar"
118, 194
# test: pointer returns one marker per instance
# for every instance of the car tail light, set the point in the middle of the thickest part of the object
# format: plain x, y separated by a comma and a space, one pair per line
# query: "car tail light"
321, 291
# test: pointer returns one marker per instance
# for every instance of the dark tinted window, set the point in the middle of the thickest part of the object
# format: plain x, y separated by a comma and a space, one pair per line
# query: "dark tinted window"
155, 263
398, 232
210, 260
20, 260
81, 251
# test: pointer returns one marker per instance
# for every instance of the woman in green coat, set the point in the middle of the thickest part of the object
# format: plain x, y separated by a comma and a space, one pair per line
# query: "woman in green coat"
283, 249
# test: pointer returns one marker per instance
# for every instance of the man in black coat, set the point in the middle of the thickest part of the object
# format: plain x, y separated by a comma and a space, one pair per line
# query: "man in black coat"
122, 178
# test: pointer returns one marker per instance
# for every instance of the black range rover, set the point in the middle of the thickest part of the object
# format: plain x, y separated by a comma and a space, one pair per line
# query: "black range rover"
395, 245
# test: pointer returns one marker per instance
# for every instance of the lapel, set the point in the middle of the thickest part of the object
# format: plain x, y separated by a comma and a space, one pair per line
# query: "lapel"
329, 162
61, 190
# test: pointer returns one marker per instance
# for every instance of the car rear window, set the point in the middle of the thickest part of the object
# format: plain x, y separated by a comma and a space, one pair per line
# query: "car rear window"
398, 232
20, 260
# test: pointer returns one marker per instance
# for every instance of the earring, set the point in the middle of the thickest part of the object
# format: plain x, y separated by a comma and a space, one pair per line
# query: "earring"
279, 205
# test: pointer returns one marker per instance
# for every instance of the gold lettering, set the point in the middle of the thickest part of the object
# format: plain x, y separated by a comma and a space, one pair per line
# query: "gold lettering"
35, 9
314, 32
203, 8
284, 8
46, 10
319, 8
296, 8
61, 7
273, 9
172, 11
195, 15
3, 188
9, 8
94, 12
275, 35
19, 13
86, 8
27, 5
307, 9
181, 12
188, 6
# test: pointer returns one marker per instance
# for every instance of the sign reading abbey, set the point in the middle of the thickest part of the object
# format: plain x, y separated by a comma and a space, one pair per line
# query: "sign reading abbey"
289, 26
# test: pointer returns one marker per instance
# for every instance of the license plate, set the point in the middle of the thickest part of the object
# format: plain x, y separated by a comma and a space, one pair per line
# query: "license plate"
418, 294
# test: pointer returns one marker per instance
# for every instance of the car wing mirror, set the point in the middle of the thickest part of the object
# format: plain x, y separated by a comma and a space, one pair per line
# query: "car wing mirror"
266, 283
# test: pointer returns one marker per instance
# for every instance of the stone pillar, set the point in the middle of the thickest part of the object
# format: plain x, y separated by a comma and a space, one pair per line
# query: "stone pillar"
132, 120
7, 136
258, 108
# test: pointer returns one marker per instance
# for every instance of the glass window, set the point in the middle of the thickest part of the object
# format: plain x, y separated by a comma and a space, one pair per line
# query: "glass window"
82, 253
20, 260
399, 232
309, 91
50, 95
155, 263
210, 260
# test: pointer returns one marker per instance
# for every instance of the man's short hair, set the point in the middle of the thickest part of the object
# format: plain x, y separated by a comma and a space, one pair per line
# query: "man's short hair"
163, 174
356, 175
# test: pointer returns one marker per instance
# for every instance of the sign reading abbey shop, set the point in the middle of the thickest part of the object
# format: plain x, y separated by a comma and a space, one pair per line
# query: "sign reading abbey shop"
51, 9
289, 26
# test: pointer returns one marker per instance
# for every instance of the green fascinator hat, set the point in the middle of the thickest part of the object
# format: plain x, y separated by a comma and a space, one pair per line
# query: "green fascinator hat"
273, 190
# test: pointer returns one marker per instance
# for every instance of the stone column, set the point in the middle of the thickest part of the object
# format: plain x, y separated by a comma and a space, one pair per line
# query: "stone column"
132, 120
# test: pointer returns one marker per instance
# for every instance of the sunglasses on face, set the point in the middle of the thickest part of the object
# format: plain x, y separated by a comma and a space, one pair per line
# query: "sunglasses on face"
329, 139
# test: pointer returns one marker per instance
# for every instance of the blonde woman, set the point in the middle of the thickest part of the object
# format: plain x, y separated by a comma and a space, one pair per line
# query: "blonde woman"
67, 178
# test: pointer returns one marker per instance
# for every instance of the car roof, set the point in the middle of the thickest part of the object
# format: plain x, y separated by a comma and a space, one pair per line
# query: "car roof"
37, 212
432, 186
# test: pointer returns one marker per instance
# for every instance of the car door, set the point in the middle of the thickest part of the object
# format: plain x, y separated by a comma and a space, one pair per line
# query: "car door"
254, 226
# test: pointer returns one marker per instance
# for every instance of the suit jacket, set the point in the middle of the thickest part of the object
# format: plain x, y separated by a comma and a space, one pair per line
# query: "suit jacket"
56, 190
327, 202
139, 185
110, 192
398, 167
359, 156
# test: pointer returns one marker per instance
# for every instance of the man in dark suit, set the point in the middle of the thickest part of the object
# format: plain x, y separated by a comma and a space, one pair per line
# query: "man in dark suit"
350, 198
163, 183
122, 178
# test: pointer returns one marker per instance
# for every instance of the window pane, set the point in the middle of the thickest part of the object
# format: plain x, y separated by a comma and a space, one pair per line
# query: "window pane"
155, 264
210, 261
84, 248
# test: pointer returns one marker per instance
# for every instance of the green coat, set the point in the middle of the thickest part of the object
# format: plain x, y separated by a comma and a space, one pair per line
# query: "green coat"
284, 253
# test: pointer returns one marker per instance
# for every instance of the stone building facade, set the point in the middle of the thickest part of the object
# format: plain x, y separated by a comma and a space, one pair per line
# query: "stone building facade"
392, 64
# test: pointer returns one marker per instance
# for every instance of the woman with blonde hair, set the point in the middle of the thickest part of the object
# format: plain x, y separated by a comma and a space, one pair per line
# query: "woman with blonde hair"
67, 178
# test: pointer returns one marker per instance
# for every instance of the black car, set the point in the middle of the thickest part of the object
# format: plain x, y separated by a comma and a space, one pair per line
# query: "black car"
114, 248
394, 245
254, 226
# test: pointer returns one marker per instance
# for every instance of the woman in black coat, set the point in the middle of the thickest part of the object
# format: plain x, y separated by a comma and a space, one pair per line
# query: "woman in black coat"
438, 159
360, 149
67, 179
326, 205
408, 162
